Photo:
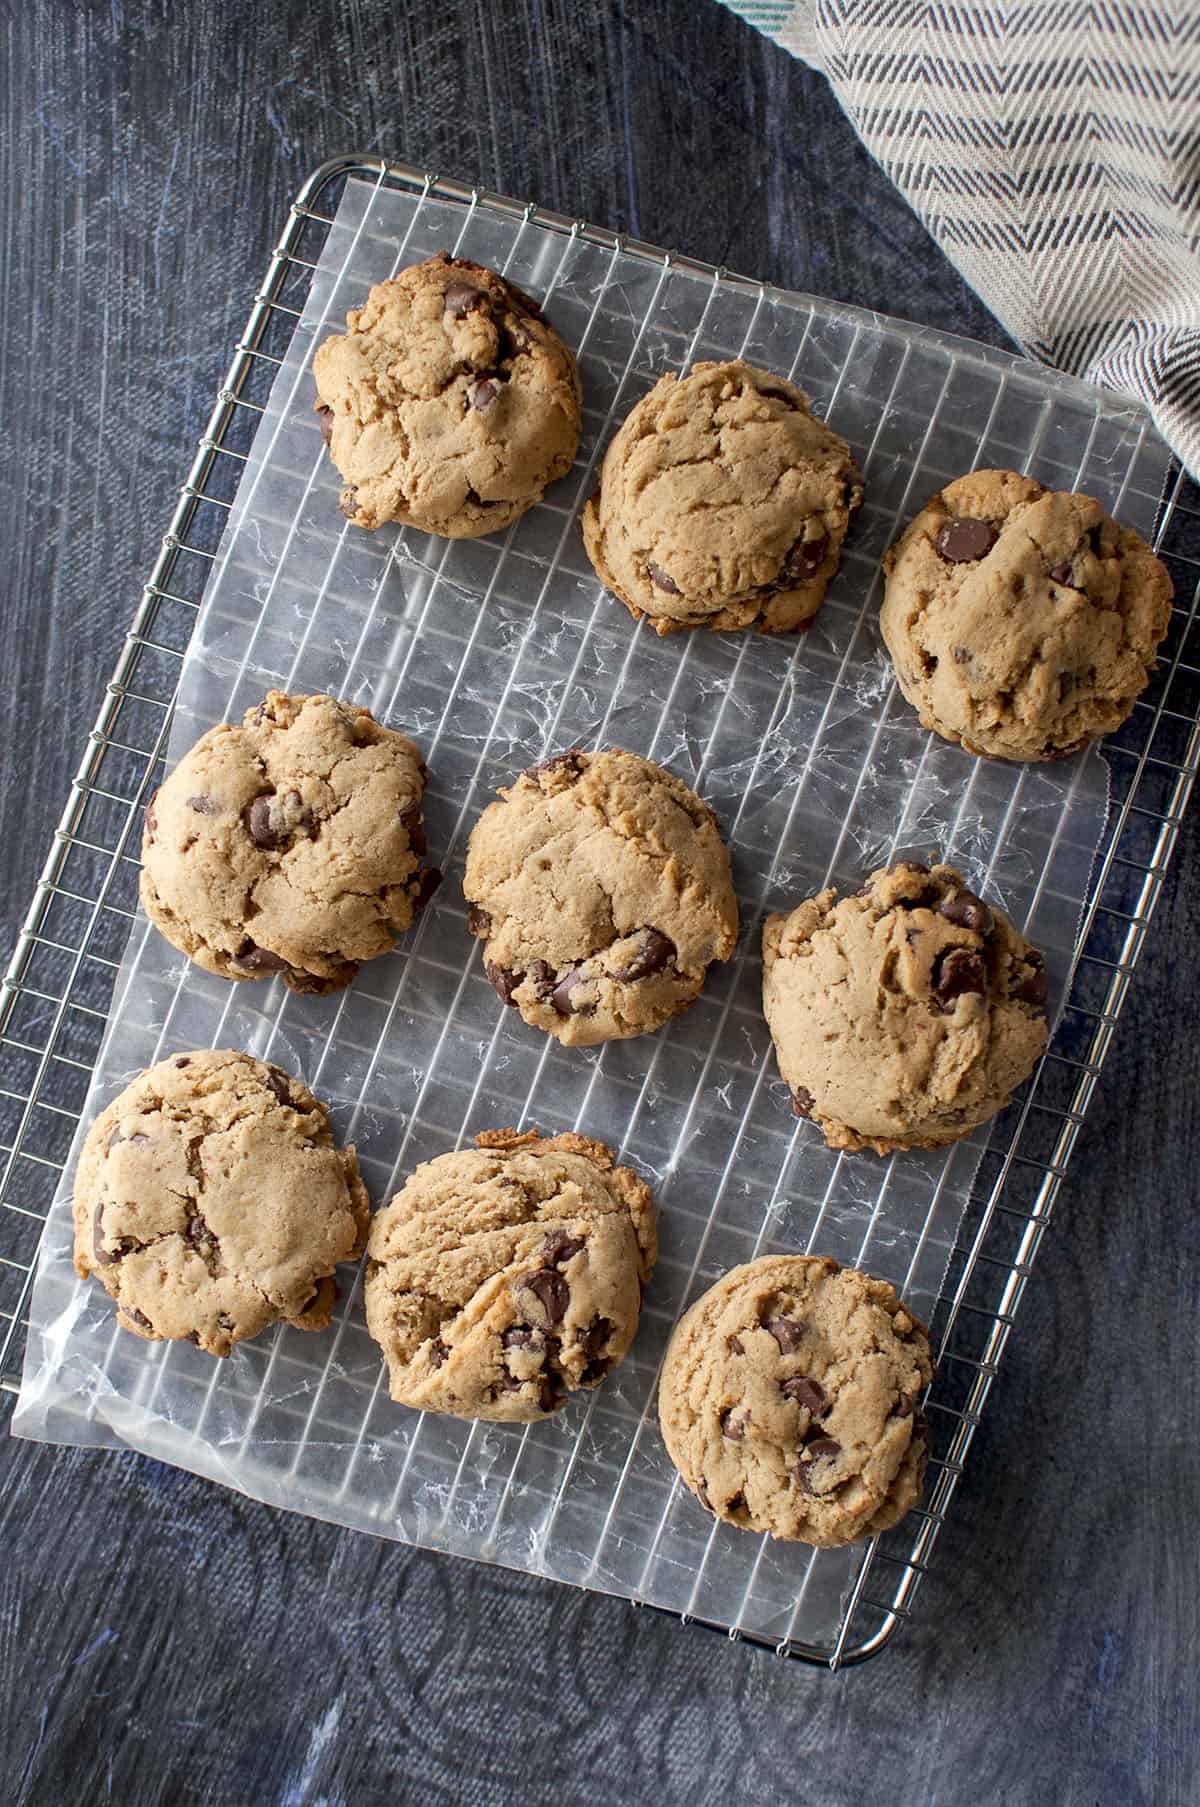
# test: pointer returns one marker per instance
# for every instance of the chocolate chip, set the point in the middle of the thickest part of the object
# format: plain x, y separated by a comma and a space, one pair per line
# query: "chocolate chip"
138, 1317
258, 822
596, 1370
520, 1336
662, 580
152, 817
182, 1060
822, 1448
204, 806
201, 1237
478, 922
482, 395
562, 997
348, 501
543, 978
277, 1083
802, 1101
325, 418
255, 959
462, 298
965, 538
558, 1246
655, 951
427, 883
735, 1344
550, 1290
438, 1352
103, 1256
410, 821
805, 1392
557, 762
734, 1428
550, 1394
806, 557
701, 1492
593, 1339
503, 981
903, 1407
1032, 989
959, 973
968, 911
788, 1333
1063, 574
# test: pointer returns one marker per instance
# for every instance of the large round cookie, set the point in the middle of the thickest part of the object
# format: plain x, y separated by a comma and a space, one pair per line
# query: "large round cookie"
448, 404
723, 503
601, 888
1021, 621
291, 844
902, 1016
210, 1201
788, 1400
503, 1277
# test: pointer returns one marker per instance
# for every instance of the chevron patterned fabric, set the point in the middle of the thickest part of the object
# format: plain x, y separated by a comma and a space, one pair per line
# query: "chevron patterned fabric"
1053, 151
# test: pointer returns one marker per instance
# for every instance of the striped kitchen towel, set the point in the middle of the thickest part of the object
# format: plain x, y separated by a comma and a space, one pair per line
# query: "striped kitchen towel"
1053, 151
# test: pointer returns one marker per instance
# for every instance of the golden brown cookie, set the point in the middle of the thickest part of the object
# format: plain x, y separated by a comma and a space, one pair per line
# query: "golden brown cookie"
788, 1401
291, 844
904, 1015
210, 1201
1021, 621
601, 888
503, 1277
723, 503
449, 403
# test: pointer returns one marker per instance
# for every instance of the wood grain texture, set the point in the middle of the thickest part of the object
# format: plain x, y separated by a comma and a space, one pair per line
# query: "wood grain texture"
164, 1641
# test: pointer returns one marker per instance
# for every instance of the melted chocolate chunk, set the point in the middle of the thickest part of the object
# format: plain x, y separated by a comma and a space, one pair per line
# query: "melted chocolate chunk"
557, 762
662, 580
427, 883
478, 922
182, 1060
558, 1246
1032, 989
802, 1101
551, 1393
551, 1292
733, 1427
483, 394
965, 538
461, 298
563, 995
903, 1407
655, 951
968, 911
277, 1082
1063, 574
593, 1339
788, 1333
805, 559
805, 1392
959, 973
259, 823
255, 959
503, 980
325, 419
138, 1317
204, 806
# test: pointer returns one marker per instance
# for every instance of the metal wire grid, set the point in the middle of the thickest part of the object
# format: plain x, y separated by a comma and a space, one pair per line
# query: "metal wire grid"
57, 988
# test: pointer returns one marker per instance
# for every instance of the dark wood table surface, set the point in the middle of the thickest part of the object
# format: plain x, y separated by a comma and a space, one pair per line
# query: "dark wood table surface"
164, 1641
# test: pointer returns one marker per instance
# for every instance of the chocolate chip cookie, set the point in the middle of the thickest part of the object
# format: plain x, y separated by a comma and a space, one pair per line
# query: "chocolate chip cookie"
723, 503
1021, 621
601, 888
291, 844
449, 403
788, 1401
902, 1016
210, 1201
504, 1277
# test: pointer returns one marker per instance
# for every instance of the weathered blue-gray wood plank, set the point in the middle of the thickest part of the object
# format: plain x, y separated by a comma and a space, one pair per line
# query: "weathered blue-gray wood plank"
161, 1640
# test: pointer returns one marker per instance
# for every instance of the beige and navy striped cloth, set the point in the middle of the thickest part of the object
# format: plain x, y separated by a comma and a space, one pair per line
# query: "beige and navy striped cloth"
1053, 151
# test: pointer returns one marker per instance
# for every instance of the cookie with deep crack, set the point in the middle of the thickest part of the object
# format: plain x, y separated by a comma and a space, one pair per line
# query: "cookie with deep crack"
1022, 621
905, 1015
502, 1278
723, 503
291, 844
601, 889
211, 1201
448, 403
788, 1401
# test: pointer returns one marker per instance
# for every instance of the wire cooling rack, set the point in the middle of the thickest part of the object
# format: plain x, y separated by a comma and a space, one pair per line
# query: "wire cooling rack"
60, 980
